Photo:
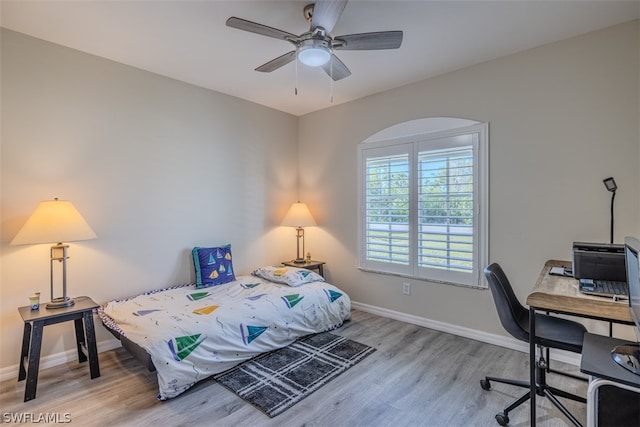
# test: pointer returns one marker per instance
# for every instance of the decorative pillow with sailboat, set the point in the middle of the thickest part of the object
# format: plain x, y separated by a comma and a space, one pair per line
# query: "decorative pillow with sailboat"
213, 266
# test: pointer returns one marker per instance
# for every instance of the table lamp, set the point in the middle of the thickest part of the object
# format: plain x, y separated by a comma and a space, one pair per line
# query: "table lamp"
299, 216
55, 221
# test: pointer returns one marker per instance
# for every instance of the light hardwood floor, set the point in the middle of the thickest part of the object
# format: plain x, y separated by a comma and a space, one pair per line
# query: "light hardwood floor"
417, 377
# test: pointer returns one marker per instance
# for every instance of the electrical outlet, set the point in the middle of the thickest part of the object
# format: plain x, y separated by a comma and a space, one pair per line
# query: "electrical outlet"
406, 288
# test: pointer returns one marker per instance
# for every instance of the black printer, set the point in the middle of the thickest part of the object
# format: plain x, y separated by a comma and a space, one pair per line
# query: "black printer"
599, 261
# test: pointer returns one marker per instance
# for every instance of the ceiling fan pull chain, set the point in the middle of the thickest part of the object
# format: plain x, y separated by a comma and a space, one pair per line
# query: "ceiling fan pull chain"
331, 79
296, 83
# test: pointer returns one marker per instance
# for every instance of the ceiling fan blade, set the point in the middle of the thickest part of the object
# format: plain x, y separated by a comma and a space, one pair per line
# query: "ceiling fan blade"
336, 69
369, 41
254, 27
326, 13
274, 64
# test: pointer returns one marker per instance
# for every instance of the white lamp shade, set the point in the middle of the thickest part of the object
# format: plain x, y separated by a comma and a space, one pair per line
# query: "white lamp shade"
314, 56
54, 221
298, 216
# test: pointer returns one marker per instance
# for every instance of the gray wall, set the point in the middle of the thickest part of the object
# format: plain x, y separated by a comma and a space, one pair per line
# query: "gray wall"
155, 166
561, 118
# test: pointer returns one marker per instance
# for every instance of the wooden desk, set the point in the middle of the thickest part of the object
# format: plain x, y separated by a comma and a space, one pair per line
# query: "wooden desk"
559, 294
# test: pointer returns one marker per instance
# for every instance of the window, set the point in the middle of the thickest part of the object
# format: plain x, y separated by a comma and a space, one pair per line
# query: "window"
424, 200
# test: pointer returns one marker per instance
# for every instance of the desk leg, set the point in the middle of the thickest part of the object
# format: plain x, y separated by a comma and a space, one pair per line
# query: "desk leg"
92, 349
532, 364
34, 361
26, 338
80, 340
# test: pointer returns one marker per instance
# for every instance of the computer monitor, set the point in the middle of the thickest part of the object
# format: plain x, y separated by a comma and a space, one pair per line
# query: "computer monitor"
628, 355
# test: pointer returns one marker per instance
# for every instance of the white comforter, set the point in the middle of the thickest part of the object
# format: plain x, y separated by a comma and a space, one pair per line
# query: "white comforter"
192, 333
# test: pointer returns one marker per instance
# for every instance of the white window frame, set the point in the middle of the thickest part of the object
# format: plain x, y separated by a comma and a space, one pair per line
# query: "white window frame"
412, 145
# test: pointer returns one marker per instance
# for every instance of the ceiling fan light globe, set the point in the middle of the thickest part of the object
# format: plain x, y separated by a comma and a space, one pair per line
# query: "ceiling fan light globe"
314, 56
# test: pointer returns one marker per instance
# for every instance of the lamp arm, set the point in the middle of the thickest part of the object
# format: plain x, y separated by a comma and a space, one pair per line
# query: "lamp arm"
613, 196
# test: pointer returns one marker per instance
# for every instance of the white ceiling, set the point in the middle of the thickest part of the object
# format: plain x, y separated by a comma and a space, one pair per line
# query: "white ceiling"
189, 41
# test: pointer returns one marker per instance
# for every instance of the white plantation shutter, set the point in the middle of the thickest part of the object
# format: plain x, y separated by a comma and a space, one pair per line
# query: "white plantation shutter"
445, 212
424, 206
387, 181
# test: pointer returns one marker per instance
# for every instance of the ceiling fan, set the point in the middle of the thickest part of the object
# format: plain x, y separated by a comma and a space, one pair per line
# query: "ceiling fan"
315, 47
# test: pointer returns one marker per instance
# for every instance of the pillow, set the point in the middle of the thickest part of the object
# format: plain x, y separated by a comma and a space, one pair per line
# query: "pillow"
291, 276
213, 266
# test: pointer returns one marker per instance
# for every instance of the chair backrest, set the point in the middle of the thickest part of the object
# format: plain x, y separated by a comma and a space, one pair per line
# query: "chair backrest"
513, 316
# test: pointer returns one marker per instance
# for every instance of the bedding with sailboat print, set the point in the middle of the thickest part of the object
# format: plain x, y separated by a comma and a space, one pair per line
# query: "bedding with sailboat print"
192, 333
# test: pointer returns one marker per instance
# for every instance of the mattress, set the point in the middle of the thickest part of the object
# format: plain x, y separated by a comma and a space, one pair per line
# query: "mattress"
191, 334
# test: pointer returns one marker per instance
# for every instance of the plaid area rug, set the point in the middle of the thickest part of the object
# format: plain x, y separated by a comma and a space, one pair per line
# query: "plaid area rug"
275, 381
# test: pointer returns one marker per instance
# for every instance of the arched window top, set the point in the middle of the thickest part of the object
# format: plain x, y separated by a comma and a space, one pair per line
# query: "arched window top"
423, 197
420, 127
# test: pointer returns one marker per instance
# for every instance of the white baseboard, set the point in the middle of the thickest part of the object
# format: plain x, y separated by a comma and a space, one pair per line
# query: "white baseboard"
500, 340
56, 359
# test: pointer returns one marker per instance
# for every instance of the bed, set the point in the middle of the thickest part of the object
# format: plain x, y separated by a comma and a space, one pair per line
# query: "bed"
189, 332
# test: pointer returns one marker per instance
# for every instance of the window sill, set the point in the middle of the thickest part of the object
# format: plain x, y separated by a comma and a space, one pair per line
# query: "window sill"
422, 279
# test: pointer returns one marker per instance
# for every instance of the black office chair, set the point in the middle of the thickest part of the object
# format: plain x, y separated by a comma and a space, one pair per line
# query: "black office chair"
551, 332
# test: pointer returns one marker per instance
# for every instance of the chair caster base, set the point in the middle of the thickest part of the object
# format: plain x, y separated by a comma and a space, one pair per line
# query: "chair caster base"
485, 384
502, 418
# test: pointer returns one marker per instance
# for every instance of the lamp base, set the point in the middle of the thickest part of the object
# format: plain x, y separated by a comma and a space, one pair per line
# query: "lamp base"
299, 261
61, 302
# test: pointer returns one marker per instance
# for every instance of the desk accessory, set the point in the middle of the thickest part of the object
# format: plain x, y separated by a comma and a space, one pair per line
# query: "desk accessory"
561, 271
